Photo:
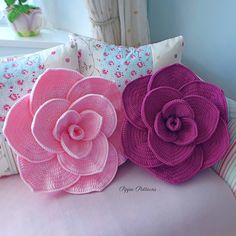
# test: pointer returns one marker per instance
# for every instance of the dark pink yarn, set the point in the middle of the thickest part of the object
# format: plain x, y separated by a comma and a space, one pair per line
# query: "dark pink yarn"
176, 124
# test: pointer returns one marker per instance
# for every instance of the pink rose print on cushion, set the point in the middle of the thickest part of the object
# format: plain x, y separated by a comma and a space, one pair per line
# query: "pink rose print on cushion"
2, 118
2, 85
111, 63
79, 54
14, 65
7, 76
34, 80
24, 72
13, 97
67, 133
41, 67
132, 56
67, 59
104, 71
29, 63
140, 64
176, 124
118, 74
98, 45
133, 72
127, 81
20, 82
118, 56
6, 107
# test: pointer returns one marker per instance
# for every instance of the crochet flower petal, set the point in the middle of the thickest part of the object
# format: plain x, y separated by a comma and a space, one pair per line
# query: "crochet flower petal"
154, 102
181, 172
136, 148
177, 108
168, 153
173, 76
215, 148
68, 118
188, 132
46, 176
91, 164
44, 122
162, 131
206, 116
96, 85
53, 83
133, 96
210, 92
115, 138
74, 148
97, 182
121, 157
17, 129
102, 106
91, 123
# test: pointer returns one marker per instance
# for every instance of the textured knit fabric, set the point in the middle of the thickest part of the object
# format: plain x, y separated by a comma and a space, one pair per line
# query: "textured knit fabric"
176, 124
67, 133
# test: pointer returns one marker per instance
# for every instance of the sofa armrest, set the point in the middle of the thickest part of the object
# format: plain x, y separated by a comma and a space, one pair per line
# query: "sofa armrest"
226, 168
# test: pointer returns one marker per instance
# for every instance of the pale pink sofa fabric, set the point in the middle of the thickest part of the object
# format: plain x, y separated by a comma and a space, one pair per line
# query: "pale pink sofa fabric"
203, 206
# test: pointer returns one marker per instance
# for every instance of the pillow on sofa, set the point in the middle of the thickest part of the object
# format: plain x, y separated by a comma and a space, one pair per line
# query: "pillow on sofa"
123, 64
17, 76
226, 168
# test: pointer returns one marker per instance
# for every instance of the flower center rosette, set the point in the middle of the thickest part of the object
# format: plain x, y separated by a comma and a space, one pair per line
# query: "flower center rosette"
176, 124
67, 132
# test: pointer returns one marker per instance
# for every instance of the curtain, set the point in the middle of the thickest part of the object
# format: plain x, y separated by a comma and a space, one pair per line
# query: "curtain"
120, 21
105, 20
134, 22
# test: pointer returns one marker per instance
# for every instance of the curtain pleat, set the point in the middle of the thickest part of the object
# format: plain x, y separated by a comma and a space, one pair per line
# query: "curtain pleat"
122, 22
105, 20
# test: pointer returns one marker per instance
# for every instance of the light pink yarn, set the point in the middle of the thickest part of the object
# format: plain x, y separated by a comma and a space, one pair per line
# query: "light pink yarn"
66, 133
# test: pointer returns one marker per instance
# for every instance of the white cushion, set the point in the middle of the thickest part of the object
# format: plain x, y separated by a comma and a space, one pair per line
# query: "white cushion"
17, 77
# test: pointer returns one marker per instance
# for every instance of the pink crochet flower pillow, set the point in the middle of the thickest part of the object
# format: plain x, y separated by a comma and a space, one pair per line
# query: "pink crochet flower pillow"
176, 124
67, 133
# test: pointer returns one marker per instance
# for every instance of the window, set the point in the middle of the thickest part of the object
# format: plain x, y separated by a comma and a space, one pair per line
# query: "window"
61, 15
2, 7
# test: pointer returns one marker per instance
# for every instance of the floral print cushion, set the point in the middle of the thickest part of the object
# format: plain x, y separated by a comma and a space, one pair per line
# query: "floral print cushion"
17, 77
123, 64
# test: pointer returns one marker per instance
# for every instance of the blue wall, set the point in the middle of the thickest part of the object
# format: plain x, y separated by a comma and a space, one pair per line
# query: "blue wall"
209, 30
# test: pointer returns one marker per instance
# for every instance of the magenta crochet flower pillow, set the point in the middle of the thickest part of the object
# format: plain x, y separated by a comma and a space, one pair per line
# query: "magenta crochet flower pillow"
67, 133
176, 124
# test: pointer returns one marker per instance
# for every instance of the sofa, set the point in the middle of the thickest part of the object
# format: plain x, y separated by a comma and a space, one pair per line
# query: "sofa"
136, 203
